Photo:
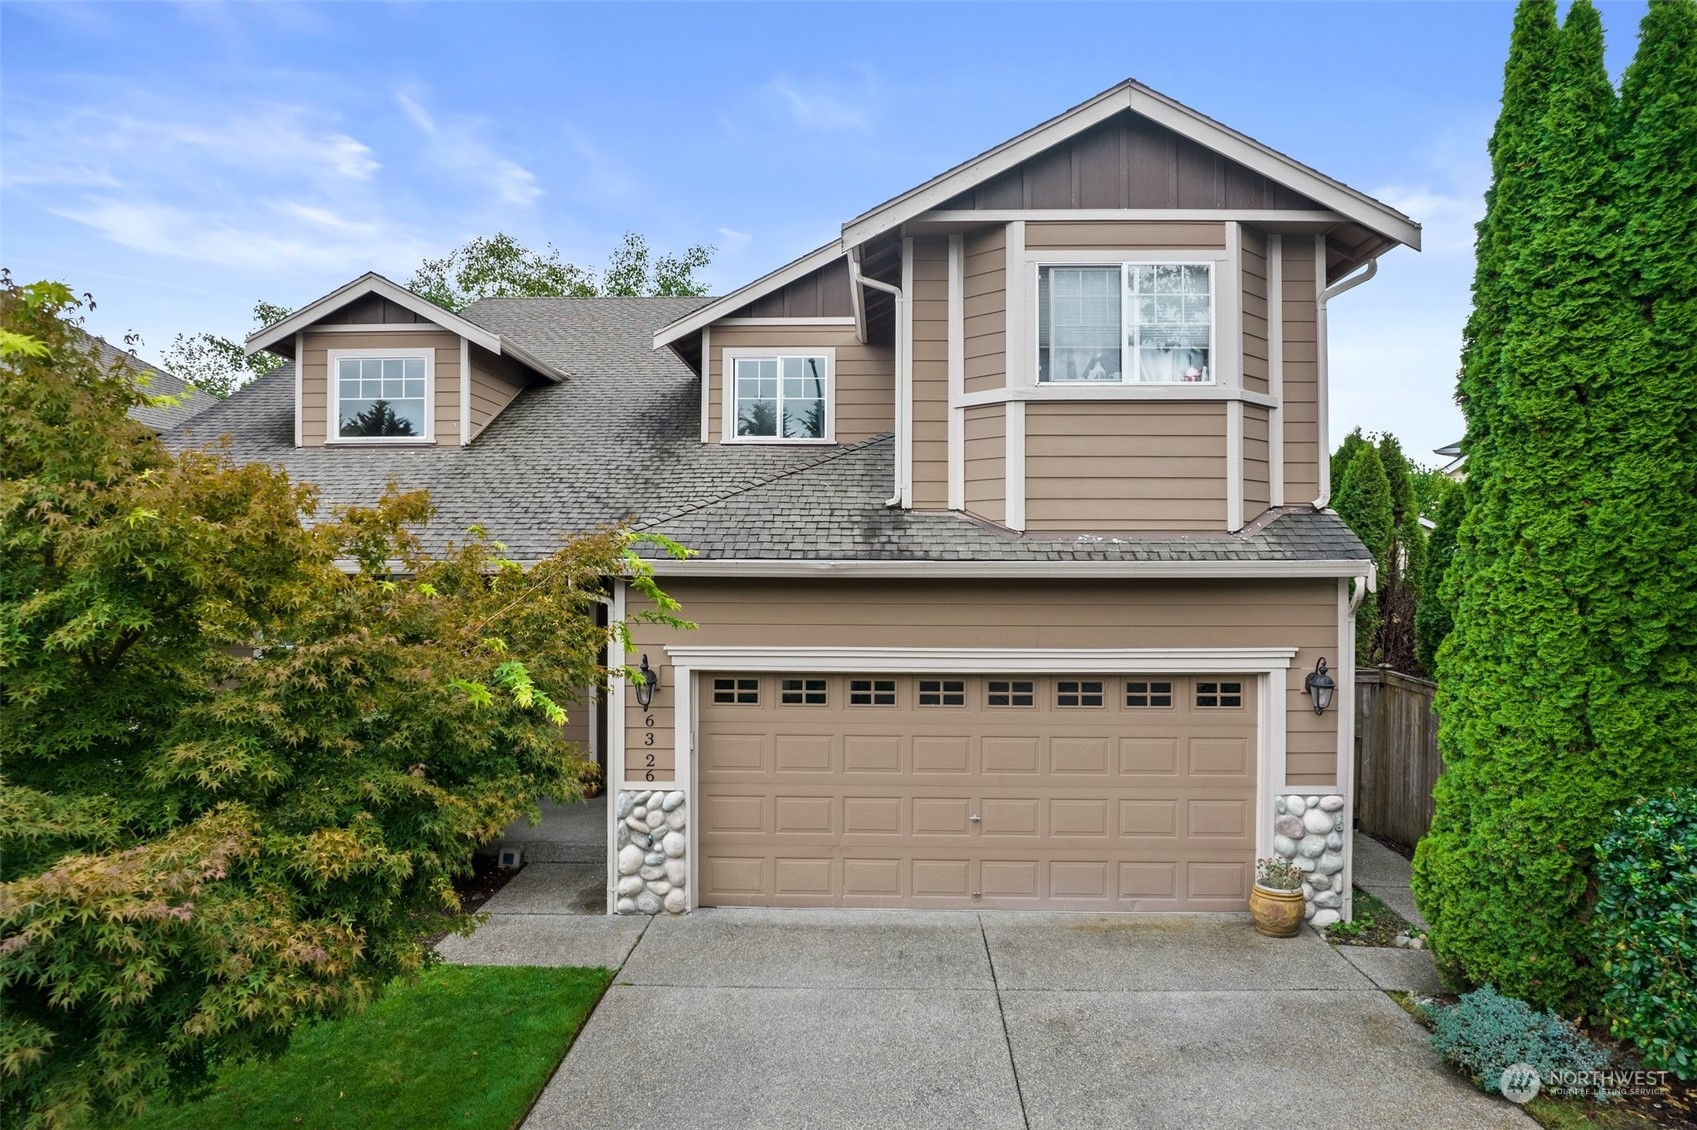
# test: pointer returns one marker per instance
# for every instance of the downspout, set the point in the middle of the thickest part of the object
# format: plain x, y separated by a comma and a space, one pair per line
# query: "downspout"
901, 366
1321, 330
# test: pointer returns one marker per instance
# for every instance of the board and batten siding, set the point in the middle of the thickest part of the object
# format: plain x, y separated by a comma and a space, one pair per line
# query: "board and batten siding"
1125, 465
495, 383
819, 294
985, 306
1253, 249
1301, 403
865, 382
1001, 614
315, 376
986, 462
1128, 161
930, 301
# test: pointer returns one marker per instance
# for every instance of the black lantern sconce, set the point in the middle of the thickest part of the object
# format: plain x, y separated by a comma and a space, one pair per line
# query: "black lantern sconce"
650, 682
1320, 686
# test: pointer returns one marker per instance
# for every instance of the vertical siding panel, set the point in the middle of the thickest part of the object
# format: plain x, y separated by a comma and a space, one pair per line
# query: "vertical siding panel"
984, 288
930, 374
1302, 440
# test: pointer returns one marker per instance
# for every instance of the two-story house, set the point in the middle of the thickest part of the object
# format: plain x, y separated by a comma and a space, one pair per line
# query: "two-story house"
1009, 503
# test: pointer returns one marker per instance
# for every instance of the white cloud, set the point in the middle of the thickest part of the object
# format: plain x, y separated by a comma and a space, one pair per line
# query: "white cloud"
281, 235
455, 146
731, 240
819, 110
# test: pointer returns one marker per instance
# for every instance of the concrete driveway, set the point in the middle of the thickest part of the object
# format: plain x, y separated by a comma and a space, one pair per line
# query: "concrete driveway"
784, 1019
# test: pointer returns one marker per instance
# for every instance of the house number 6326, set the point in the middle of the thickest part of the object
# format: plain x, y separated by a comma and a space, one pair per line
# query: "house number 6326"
648, 740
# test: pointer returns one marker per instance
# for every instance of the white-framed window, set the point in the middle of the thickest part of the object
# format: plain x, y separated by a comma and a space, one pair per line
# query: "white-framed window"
1126, 323
779, 397
381, 395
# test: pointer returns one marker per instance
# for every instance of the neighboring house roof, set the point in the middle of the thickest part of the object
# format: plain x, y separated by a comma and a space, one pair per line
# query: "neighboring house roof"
1457, 460
621, 440
190, 401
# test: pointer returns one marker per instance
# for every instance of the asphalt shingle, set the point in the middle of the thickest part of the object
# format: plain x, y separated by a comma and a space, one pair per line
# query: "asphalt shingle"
619, 441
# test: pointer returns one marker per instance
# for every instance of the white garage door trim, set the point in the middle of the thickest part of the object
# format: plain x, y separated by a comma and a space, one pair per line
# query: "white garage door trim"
1268, 664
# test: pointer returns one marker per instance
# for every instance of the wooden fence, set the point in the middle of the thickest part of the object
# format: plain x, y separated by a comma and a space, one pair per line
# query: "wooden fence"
1396, 754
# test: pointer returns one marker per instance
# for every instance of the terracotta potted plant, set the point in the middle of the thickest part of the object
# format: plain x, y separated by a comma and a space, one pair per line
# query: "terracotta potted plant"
1275, 902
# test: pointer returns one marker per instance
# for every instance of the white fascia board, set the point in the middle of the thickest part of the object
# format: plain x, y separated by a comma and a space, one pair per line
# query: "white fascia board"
371, 283
764, 285
1188, 123
979, 660
1046, 570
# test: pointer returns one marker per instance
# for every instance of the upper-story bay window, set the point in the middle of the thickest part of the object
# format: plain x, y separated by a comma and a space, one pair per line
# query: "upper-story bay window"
1125, 323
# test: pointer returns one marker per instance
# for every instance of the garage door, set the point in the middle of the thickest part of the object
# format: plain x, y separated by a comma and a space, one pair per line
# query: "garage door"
1103, 793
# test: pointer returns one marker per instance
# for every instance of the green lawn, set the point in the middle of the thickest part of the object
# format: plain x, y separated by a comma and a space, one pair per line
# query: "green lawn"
464, 1046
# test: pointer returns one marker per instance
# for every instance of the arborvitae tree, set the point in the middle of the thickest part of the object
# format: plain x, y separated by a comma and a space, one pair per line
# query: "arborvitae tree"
1435, 614
1503, 875
1352, 443
1647, 519
1365, 506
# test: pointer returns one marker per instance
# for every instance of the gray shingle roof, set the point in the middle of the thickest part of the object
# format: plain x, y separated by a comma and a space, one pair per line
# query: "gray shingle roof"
620, 439
191, 401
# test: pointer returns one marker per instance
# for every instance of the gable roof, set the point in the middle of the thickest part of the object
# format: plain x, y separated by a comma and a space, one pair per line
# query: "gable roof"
373, 283
1132, 95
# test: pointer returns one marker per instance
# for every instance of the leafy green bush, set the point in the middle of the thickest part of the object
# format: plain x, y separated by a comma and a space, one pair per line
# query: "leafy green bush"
1485, 1032
1646, 919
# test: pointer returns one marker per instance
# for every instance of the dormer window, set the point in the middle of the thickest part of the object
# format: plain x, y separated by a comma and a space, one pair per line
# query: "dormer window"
1125, 323
779, 398
380, 396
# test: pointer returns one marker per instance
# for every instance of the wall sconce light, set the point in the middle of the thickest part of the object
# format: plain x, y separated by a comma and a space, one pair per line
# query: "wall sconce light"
650, 681
1320, 686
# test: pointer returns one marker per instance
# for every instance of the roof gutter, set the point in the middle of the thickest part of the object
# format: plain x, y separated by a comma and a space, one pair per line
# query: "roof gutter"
1341, 286
753, 568
904, 372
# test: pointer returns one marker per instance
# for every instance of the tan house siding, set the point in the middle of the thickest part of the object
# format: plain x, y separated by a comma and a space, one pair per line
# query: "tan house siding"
866, 375
315, 380
1010, 614
1302, 439
495, 382
1125, 465
1128, 162
984, 291
1253, 247
930, 374
1256, 488
821, 294
1129, 234
986, 462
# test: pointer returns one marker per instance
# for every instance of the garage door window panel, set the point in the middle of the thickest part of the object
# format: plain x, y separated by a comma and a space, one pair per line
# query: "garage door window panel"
1010, 693
1149, 694
872, 692
736, 692
1212, 694
802, 692
1080, 693
942, 692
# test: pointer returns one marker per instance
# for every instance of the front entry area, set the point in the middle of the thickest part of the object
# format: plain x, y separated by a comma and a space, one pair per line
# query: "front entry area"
1045, 791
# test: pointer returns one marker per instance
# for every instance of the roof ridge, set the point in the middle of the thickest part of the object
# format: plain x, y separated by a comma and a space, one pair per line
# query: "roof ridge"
695, 507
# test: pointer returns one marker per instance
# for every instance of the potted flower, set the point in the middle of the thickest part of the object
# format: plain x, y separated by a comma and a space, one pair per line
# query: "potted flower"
1275, 902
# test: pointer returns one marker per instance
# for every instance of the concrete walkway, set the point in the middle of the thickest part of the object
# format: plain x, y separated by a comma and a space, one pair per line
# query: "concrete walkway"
773, 1018
1386, 875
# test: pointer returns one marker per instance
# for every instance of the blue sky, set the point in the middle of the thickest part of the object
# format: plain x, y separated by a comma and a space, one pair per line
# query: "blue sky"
180, 161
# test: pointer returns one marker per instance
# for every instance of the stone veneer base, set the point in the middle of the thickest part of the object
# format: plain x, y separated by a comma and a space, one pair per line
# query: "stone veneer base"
651, 848
1310, 829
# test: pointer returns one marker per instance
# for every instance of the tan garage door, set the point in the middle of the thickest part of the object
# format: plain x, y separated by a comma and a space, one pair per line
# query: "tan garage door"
1094, 792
